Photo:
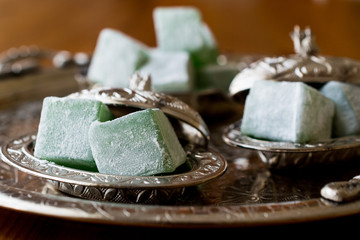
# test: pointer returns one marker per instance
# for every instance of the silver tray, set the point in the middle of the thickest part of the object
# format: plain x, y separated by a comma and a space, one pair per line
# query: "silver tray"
201, 166
294, 155
247, 194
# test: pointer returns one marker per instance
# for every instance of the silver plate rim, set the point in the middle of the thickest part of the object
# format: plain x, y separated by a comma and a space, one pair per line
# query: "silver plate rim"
233, 136
210, 165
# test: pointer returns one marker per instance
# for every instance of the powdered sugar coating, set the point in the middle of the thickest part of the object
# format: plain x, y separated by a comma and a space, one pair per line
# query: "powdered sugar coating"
140, 143
63, 131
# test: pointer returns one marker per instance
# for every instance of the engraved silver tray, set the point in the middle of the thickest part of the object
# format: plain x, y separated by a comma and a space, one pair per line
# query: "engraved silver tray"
285, 155
247, 194
202, 166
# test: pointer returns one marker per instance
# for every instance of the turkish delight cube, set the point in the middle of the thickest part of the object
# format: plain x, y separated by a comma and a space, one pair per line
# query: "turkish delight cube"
182, 29
170, 71
63, 131
116, 58
138, 144
287, 111
347, 107
215, 76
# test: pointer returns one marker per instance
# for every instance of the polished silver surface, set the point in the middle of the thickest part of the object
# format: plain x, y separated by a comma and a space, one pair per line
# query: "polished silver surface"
139, 82
295, 155
202, 166
28, 59
342, 191
191, 123
247, 194
305, 65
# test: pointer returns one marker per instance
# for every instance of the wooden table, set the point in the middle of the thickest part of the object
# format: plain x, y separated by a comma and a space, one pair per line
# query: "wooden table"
258, 26
245, 27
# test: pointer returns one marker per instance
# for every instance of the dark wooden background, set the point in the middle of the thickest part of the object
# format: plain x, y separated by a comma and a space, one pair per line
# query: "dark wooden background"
242, 26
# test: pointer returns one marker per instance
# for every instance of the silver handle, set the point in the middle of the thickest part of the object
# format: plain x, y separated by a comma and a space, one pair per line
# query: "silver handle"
343, 191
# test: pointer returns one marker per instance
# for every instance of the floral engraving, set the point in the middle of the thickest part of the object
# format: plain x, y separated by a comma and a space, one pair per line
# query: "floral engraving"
204, 166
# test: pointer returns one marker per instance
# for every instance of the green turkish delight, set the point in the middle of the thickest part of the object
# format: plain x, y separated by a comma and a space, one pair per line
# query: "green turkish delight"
287, 111
215, 76
63, 131
182, 29
347, 107
170, 71
140, 143
116, 58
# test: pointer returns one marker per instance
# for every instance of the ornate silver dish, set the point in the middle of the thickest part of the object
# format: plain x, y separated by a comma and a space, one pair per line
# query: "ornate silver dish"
202, 166
306, 65
124, 100
278, 155
247, 194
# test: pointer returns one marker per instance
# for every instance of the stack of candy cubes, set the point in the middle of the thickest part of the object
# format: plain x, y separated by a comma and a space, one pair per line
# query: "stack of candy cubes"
83, 134
184, 60
296, 112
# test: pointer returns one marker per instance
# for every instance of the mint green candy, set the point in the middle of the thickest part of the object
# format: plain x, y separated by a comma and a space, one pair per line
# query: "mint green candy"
287, 111
116, 58
182, 29
215, 76
170, 71
63, 131
140, 143
347, 107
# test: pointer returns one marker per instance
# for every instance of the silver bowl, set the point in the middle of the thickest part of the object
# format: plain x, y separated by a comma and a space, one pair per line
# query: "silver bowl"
280, 155
121, 101
201, 166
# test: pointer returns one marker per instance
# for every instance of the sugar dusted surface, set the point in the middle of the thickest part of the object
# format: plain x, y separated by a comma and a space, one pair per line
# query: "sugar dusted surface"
284, 111
135, 145
170, 71
181, 28
63, 131
116, 58
347, 107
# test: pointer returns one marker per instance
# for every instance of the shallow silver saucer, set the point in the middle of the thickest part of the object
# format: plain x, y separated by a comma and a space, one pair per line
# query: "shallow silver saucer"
203, 166
287, 154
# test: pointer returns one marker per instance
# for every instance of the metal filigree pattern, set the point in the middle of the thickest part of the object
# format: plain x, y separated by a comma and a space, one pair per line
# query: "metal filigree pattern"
125, 195
289, 155
306, 66
245, 195
204, 166
139, 82
172, 106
